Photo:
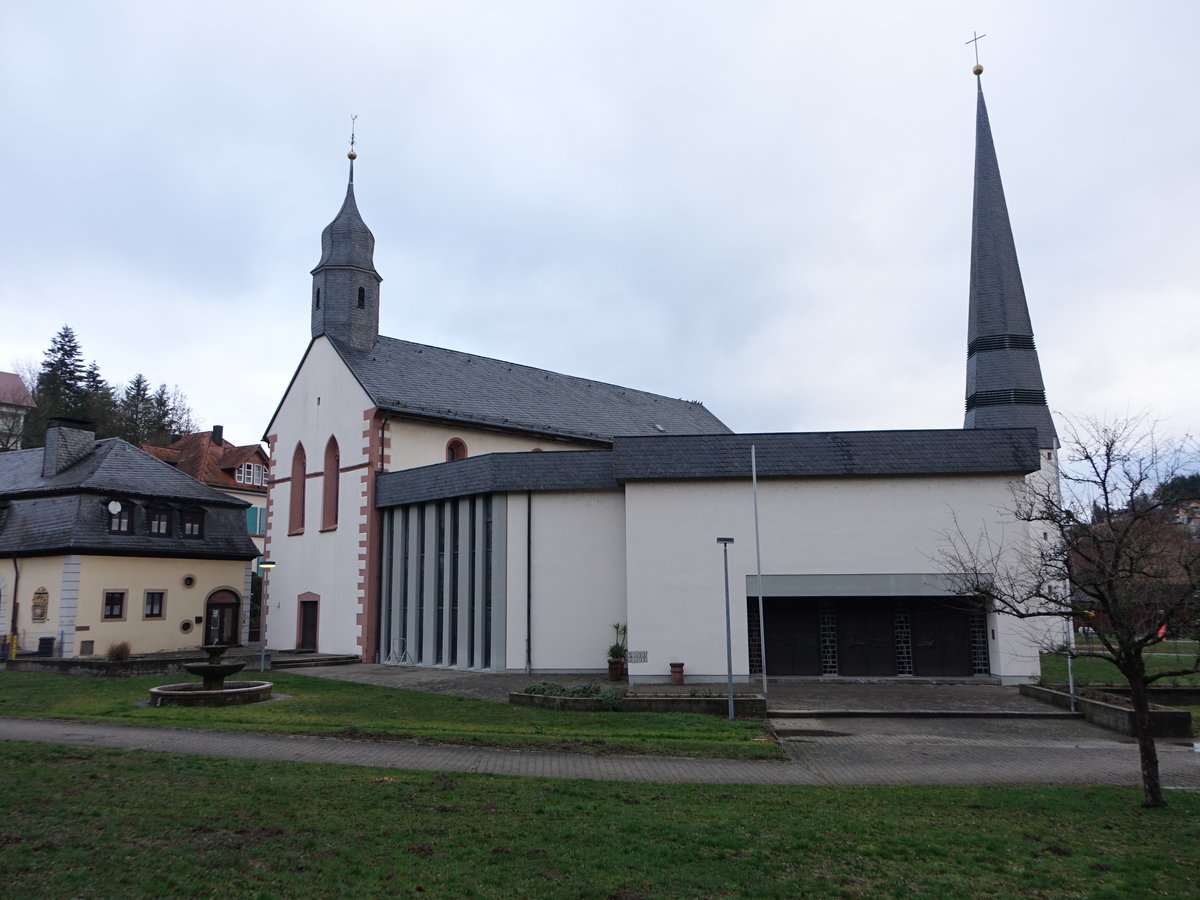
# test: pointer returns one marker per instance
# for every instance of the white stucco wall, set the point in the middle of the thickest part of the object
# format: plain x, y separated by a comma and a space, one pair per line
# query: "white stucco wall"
415, 443
324, 400
87, 578
578, 554
808, 526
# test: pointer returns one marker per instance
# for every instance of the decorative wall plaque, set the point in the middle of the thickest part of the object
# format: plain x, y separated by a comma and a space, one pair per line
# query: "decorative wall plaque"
41, 604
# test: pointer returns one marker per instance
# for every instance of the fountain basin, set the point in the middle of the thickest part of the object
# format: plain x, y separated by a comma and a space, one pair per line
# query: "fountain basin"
235, 693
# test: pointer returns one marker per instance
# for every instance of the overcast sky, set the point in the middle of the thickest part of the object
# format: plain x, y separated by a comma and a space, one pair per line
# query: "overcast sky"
764, 206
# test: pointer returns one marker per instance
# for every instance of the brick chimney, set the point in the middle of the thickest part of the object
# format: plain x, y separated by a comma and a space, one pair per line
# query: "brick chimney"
67, 442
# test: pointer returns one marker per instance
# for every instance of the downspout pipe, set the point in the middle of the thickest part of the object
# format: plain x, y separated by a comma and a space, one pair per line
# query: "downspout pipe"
529, 583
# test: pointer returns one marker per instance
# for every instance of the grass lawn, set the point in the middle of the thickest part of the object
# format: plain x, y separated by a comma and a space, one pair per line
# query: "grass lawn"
321, 706
1099, 671
76, 822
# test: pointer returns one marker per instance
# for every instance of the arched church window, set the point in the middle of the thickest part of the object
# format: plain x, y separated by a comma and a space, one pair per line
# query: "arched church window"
362, 298
455, 449
296, 493
329, 494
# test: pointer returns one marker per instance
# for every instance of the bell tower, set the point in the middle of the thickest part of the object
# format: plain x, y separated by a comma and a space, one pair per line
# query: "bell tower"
345, 294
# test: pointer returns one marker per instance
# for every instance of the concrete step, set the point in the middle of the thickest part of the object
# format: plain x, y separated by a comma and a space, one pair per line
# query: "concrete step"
310, 660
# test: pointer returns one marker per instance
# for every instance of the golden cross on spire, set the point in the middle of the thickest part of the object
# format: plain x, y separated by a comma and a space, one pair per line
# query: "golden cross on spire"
975, 40
352, 154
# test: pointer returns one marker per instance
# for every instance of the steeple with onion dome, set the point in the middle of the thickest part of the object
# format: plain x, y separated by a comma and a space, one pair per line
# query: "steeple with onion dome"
345, 295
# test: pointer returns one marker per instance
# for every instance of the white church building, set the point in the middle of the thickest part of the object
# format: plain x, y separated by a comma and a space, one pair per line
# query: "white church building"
435, 508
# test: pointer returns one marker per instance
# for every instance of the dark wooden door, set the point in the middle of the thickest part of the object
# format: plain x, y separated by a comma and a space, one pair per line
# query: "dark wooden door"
221, 618
866, 638
308, 625
793, 636
941, 639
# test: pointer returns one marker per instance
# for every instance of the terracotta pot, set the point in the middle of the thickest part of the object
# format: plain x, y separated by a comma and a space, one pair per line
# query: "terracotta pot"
616, 668
676, 672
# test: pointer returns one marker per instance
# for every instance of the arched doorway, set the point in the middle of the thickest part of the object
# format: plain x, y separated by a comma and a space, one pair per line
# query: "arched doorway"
221, 619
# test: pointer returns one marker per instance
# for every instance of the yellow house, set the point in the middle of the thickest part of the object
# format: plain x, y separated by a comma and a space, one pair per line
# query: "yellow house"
101, 543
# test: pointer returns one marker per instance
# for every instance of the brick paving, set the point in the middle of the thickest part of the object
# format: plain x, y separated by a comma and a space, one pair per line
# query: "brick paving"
823, 748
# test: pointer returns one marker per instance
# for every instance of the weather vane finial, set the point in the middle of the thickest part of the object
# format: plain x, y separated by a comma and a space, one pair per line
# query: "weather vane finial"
978, 70
353, 156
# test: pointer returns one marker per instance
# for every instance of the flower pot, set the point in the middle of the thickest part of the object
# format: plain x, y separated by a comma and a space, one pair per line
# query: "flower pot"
676, 672
616, 668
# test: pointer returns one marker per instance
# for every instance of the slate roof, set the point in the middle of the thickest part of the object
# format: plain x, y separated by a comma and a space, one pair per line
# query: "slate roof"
446, 385
801, 455
1004, 377
66, 512
347, 241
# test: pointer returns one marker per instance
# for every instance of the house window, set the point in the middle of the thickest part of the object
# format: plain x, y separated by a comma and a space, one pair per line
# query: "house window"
329, 494
250, 473
296, 501
193, 523
456, 449
256, 520
87, 648
362, 298
114, 604
159, 522
120, 517
154, 604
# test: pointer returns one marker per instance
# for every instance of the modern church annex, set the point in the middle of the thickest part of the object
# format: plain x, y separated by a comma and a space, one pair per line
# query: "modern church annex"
437, 508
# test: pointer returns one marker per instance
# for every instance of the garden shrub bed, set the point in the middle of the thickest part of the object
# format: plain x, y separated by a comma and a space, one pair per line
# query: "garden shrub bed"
593, 698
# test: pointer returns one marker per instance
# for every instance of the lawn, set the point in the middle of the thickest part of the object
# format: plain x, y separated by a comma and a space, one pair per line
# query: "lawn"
321, 706
1089, 670
77, 822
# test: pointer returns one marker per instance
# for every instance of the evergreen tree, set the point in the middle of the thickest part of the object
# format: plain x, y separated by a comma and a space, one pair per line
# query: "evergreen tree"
137, 416
100, 402
60, 390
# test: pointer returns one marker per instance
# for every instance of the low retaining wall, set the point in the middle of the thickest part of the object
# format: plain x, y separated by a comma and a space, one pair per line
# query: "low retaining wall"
1164, 723
744, 707
104, 668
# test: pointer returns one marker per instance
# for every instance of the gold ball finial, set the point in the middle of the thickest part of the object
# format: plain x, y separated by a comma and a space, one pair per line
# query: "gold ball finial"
978, 70
352, 155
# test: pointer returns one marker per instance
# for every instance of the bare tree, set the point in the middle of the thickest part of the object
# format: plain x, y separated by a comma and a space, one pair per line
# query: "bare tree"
1099, 547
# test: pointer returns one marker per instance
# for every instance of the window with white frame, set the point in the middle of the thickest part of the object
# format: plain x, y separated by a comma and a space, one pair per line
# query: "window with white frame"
250, 473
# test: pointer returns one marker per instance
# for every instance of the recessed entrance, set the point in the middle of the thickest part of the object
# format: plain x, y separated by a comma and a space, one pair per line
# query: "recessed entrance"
307, 639
869, 637
221, 618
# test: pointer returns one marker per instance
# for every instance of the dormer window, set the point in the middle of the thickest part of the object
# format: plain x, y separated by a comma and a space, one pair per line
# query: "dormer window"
456, 449
250, 473
362, 298
120, 517
158, 522
192, 521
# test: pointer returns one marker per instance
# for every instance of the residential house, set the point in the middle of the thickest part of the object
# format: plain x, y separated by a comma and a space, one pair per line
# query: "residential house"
239, 471
15, 404
101, 543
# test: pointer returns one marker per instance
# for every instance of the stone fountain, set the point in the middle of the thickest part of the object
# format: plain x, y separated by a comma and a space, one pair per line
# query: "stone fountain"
213, 691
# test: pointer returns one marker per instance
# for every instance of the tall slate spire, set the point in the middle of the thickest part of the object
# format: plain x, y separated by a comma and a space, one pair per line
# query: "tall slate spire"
345, 297
1004, 378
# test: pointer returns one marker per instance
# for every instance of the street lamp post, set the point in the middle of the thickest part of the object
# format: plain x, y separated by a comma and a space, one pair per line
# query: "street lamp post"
725, 542
265, 567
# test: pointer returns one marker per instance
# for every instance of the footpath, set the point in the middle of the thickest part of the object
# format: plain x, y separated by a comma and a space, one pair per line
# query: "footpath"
848, 734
